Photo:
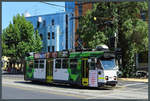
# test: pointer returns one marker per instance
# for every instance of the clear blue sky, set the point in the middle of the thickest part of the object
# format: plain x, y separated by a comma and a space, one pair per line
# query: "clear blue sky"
10, 9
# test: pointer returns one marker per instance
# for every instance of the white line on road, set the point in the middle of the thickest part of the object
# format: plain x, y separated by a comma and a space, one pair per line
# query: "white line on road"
133, 84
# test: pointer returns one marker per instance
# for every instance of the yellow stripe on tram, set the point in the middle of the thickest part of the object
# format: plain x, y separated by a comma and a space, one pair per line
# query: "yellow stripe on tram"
100, 77
49, 79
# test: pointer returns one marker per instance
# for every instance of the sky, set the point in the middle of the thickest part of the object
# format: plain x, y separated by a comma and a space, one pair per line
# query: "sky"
10, 9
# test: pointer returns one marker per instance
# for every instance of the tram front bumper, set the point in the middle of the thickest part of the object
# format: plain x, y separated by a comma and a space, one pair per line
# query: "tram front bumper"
111, 83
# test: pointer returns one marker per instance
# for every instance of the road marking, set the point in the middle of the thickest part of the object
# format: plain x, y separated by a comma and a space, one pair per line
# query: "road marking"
133, 84
79, 93
139, 88
56, 93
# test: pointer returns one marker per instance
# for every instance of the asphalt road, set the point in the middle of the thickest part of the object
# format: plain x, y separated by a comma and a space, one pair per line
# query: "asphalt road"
14, 87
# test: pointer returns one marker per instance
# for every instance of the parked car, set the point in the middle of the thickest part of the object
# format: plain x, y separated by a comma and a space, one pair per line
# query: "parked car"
119, 73
140, 74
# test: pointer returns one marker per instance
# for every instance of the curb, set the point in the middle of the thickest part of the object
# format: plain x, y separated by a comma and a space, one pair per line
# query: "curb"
133, 79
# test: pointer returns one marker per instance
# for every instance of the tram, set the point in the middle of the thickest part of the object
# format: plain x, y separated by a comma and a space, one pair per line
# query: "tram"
83, 68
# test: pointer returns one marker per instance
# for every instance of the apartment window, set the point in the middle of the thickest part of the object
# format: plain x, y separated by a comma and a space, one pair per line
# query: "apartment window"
52, 21
80, 10
53, 48
53, 36
48, 35
38, 24
48, 48
66, 32
44, 23
41, 36
143, 15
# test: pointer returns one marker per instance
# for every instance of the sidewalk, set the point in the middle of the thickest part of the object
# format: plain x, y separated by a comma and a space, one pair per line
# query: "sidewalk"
133, 79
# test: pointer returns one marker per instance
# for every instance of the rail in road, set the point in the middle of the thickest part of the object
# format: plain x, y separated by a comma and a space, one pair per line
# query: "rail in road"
124, 90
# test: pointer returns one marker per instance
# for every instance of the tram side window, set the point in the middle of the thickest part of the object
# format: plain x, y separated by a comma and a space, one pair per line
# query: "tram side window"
36, 64
73, 63
30, 64
65, 63
41, 63
58, 63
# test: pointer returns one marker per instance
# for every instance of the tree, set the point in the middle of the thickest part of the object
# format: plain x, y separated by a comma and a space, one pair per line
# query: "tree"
98, 25
19, 38
106, 18
132, 33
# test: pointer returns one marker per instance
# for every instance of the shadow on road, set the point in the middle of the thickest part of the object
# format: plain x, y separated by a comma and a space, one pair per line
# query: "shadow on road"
64, 85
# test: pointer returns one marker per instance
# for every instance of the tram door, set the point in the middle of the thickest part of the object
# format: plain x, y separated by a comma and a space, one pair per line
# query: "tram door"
40, 69
49, 70
85, 71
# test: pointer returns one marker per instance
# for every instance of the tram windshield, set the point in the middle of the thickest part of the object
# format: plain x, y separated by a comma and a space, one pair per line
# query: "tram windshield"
108, 64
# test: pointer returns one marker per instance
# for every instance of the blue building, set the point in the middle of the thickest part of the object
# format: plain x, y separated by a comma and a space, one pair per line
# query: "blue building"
78, 8
56, 30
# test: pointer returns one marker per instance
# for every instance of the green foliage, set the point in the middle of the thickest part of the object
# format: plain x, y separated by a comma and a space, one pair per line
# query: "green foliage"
20, 38
133, 34
95, 28
98, 31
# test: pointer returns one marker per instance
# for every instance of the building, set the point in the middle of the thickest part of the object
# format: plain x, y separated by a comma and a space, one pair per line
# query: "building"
56, 30
78, 9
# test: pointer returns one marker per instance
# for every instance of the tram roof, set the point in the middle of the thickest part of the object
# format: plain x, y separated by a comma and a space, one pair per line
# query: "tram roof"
86, 54
78, 54
29, 58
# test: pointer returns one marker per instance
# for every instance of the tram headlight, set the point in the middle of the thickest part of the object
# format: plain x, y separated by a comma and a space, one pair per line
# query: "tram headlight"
106, 77
99, 72
115, 78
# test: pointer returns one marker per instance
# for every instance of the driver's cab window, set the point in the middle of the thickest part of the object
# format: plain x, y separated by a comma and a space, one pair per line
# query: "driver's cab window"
98, 64
92, 64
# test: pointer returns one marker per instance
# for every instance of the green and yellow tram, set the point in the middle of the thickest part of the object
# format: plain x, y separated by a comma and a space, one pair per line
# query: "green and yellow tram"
84, 68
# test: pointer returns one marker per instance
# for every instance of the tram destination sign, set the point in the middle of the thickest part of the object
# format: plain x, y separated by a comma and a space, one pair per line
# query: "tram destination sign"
39, 55
109, 55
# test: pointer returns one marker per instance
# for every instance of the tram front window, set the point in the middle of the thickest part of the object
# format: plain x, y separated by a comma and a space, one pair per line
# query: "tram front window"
98, 65
108, 64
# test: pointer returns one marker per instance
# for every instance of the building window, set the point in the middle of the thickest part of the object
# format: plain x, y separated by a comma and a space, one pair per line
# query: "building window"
53, 36
48, 48
53, 48
48, 35
41, 36
143, 15
80, 10
44, 23
52, 21
38, 24
66, 32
